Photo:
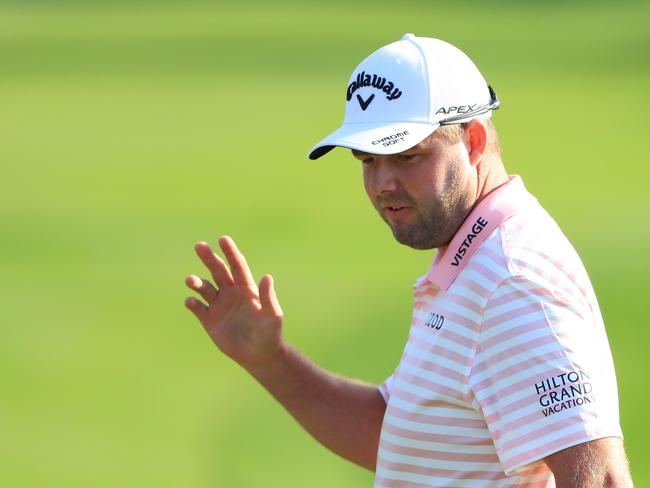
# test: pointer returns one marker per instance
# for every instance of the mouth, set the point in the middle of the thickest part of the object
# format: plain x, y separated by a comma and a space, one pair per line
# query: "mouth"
394, 209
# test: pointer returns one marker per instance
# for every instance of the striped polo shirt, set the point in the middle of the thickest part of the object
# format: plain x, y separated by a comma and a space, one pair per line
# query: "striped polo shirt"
507, 359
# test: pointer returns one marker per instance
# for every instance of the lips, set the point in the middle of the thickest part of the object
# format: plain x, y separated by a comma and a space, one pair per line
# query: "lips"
395, 210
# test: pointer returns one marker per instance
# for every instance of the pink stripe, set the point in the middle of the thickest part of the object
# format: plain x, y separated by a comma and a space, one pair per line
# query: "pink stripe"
391, 483
440, 438
534, 435
496, 398
509, 407
464, 302
550, 358
483, 364
512, 315
534, 325
528, 457
487, 273
430, 291
555, 280
436, 368
514, 293
440, 455
409, 397
442, 473
523, 421
477, 288
437, 419
496, 257
435, 388
442, 352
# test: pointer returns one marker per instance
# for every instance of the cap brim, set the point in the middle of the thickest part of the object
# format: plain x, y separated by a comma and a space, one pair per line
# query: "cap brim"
375, 138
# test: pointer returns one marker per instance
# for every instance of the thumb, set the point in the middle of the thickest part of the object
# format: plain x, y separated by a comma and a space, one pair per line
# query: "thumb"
268, 297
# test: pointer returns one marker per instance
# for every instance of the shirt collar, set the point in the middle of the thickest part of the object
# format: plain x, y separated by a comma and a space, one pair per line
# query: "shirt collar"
500, 204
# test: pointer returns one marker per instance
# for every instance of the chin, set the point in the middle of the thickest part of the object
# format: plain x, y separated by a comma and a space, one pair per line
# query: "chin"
415, 243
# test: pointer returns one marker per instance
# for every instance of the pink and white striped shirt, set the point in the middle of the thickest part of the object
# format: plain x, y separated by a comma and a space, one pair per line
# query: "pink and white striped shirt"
507, 359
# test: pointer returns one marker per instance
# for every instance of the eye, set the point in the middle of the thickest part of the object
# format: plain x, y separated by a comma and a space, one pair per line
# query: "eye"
406, 157
368, 160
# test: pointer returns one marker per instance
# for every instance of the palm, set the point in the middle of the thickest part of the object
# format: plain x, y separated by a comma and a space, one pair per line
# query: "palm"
244, 321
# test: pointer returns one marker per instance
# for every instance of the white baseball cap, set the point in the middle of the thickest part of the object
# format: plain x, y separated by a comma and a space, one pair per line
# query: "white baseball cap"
403, 92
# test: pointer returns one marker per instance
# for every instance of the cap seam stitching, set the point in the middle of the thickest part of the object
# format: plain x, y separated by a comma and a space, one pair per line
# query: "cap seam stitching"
426, 74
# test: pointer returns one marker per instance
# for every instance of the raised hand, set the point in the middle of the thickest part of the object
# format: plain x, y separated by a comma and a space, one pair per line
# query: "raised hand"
243, 320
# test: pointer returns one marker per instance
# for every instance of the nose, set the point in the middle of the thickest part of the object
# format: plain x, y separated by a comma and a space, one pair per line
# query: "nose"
379, 176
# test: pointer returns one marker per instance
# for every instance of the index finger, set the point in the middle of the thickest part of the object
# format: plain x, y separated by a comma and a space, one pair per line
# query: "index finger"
241, 273
218, 269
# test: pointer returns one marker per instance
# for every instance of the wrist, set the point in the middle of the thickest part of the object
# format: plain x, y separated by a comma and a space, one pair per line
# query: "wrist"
272, 366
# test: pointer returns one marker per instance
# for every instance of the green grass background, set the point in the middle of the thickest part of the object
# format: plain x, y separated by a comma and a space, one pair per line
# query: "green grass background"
130, 130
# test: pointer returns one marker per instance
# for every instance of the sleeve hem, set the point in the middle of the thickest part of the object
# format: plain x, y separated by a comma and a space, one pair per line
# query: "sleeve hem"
511, 467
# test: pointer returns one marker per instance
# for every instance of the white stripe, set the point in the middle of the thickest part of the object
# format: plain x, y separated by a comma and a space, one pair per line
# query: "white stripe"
513, 397
436, 340
437, 359
439, 463
546, 422
427, 375
509, 361
530, 373
471, 275
513, 342
437, 446
541, 441
506, 324
424, 393
514, 415
437, 481
494, 266
469, 294
447, 412
436, 429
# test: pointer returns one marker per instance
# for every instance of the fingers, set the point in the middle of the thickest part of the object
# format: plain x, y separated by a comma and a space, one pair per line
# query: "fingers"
241, 273
220, 272
268, 298
196, 307
202, 287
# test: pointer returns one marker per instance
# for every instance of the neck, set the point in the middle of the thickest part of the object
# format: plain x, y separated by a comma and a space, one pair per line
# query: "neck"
491, 174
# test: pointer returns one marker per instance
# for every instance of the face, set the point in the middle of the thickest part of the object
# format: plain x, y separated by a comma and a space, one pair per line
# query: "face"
424, 193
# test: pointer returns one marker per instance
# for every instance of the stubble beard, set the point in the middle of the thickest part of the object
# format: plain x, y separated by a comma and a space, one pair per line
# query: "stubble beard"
434, 228
437, 220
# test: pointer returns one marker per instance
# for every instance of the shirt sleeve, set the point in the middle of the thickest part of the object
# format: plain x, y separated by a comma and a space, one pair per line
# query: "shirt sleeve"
543, 374
385, 387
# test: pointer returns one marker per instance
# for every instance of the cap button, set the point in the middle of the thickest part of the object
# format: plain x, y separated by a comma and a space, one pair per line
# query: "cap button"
408, 37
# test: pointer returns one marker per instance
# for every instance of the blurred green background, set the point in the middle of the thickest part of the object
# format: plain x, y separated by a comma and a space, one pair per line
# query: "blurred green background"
130, 130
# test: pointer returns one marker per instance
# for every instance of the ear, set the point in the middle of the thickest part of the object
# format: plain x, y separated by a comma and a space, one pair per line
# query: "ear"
475, 139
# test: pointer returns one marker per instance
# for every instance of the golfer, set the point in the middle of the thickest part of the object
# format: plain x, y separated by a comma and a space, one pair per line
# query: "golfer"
506, 379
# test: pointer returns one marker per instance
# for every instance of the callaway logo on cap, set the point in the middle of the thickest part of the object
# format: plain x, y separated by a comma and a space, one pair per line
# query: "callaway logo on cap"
403, 92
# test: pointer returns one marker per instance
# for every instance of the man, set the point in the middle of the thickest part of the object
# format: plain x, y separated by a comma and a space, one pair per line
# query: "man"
506, 378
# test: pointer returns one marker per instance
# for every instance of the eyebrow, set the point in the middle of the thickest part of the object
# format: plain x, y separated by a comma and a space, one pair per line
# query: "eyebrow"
359, 154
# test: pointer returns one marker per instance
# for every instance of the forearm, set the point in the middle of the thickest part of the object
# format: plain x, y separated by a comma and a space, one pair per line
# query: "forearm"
596, 464
342, 414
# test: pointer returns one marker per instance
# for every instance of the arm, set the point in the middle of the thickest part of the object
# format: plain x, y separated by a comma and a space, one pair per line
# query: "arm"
596, 464
245, 323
